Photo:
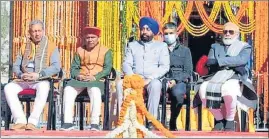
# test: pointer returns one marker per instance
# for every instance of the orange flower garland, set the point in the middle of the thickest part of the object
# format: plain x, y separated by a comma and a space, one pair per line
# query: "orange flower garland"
261, 52
137, 83
211, 24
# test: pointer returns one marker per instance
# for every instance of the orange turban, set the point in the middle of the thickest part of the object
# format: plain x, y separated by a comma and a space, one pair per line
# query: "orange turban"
92, 30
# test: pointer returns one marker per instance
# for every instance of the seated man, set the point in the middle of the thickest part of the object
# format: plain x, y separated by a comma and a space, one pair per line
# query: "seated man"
180, 70
36, 60
91, 63
229, 61
148, 58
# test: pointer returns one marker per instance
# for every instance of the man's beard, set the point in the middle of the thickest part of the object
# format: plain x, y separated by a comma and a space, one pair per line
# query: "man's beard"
229, 41
146, 38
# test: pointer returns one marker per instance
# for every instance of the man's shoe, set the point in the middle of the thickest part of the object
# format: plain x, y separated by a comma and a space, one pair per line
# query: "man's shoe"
229, 126
150, 126
172, 125
18, 126
31, 127
95, 127
219, 125
67, 127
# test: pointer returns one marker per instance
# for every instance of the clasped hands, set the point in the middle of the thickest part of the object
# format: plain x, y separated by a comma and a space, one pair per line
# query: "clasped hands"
171, 83
30, 76
87, 77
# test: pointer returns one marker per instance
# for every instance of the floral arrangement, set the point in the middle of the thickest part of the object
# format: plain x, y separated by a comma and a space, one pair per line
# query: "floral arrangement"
133, 113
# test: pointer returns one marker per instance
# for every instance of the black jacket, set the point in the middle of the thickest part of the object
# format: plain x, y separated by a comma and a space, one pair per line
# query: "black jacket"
180, 63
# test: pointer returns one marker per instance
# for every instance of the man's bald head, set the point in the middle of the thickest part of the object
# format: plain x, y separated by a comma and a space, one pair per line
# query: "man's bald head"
230, 33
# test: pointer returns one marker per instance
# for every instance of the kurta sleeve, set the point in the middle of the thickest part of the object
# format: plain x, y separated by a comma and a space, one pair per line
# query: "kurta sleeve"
75, 66
107, 66
128, 62
17, 66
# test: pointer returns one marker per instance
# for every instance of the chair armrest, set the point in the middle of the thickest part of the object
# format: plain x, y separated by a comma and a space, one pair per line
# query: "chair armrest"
39, 79
112, 75
66, 80
109, 78
45, 78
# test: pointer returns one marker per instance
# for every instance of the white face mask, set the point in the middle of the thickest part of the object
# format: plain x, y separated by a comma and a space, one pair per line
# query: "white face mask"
170, 38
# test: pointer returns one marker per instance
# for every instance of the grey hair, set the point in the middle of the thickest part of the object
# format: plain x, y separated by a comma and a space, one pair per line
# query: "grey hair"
34, 22
170, 25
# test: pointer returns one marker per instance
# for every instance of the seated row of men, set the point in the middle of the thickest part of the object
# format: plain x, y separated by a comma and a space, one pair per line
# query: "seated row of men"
152, 59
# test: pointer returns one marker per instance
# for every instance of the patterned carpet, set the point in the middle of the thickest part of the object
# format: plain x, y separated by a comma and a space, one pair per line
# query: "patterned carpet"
101, 134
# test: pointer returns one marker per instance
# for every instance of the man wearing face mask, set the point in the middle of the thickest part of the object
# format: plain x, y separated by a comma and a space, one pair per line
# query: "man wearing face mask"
148, 58
180, 70
230, 81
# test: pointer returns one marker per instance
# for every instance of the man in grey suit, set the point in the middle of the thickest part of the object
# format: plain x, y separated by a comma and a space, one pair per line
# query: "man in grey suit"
148, 58
230, 82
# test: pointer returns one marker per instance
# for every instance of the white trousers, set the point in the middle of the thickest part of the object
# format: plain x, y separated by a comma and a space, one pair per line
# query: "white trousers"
70, 94
11, 92
229, 91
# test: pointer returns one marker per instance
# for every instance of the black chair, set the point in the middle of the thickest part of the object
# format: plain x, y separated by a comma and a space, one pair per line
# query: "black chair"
28, 95
83, 97
166, 100
243, 119
243, 115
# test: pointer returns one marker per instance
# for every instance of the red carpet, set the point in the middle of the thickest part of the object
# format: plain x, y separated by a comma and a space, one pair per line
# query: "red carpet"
189, 134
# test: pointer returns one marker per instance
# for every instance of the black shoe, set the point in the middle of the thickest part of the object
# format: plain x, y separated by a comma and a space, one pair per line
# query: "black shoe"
150, 126
175, 110
95, 127
229, 126
172, 124
219, 125
67, 127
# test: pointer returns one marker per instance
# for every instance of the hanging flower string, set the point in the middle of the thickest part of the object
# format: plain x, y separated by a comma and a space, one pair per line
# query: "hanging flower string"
133, 101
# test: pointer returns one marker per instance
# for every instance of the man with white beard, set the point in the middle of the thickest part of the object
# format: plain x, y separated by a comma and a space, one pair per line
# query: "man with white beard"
230, 82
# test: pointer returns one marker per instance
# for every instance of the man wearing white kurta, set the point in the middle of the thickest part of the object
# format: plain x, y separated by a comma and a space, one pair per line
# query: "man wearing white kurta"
229, 60
37, 59
92, 63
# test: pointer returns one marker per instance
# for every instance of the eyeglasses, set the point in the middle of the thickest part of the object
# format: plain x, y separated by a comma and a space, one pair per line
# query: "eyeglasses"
231, 32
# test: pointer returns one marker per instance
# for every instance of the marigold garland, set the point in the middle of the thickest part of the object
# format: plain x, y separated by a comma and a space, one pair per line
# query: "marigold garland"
261, 52
246, 28
193, 29
208, 21
137, 83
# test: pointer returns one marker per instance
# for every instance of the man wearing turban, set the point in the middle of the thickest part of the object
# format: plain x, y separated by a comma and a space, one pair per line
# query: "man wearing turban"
148, 58
91, 63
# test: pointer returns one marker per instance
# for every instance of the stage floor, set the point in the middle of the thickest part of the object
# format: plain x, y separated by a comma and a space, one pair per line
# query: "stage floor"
101, 134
